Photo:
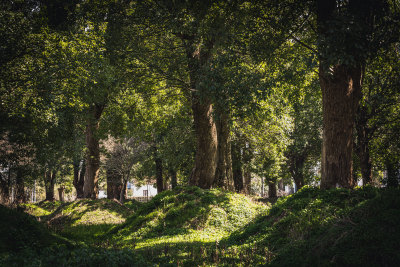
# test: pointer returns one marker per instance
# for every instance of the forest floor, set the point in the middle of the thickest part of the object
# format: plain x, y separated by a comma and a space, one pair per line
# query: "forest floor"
189, 226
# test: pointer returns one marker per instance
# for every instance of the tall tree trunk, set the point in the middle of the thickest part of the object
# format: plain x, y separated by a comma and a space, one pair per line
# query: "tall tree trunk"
159, 172
205, 163
20, 187
272, 189
79, 177
90, 187
114, 184
340, 96
247, 181
49, 181
173, 175
122, 194
392, 169
296, 169
341, 92
237, 167
4, 189
363, 133
61, 193
223, 173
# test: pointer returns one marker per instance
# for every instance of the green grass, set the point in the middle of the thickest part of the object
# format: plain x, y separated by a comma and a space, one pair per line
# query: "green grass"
82, 220
189, 226
337, 227
26, 242
185, 223
43, 208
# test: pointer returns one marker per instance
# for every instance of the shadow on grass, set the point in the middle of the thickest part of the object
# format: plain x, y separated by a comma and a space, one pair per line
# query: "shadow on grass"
200, 253
337, 227
173, 212
89, 234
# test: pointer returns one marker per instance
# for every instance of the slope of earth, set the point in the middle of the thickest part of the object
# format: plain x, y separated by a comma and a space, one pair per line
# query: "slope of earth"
82, 220
26, 242
337, 227
185, 225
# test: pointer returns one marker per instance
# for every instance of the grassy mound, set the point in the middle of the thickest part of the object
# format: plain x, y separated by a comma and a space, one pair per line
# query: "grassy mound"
19, 230
180, 220
42, 209
81, 220
336, 227
26, 242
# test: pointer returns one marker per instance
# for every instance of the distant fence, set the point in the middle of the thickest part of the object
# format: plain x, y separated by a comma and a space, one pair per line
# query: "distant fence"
142, 199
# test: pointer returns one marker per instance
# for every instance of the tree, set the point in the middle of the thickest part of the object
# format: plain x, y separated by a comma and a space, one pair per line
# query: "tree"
186, 46
123, 156
377, 115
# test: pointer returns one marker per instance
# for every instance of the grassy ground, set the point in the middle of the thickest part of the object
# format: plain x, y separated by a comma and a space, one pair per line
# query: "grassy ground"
185, 225
190, 227
82, 220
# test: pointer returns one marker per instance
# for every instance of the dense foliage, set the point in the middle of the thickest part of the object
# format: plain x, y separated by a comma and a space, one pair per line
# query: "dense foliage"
202, 100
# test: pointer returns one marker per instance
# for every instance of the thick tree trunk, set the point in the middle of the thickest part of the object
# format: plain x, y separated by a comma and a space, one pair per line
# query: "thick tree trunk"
4, 189
20, 187
363, 147
159, 173
122, 194
341, 93
49, 181
237, 168
223, 173
272, 189
114, 184
79, 177
90, 187
174, 181
392, 173
247, 181
296, 168
61, 193
205, 163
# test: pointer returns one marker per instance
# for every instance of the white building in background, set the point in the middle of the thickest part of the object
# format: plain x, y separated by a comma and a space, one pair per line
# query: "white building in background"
102, 194
147, 190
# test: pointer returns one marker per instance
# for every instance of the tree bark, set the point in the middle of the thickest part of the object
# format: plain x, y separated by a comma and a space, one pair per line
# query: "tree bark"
4, 189
61, 193
114, 184
20, 187
205, 163
223, 173
122, 195
174, 180
341, 92
392, 173
340, 96
363, 133
79, 177
49, 181
237, 168
296, 168
90, 187
247, 182
159, 172
272, 189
